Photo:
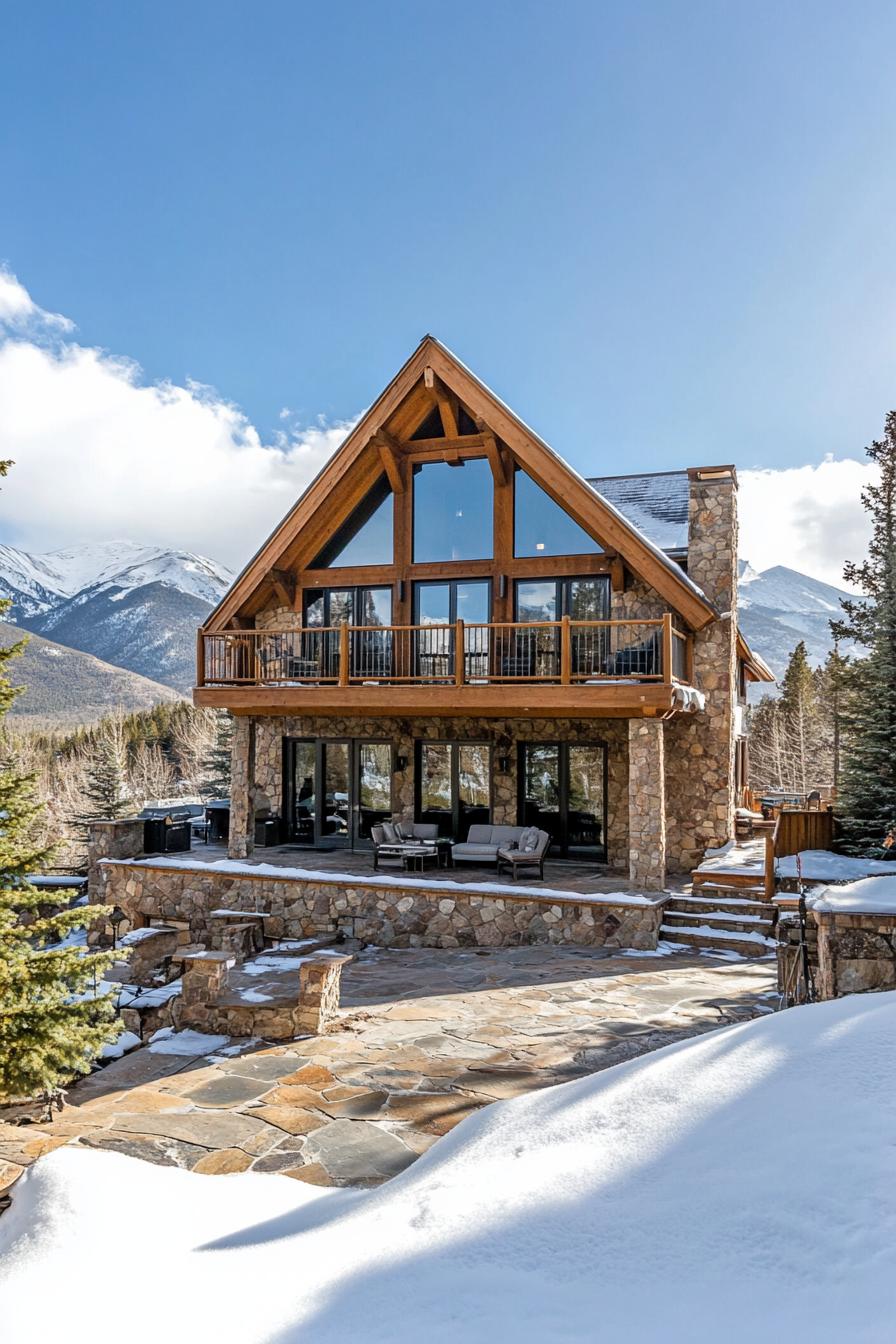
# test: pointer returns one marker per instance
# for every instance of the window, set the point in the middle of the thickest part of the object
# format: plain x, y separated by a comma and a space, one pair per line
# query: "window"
541, 527
365, 538
370, 649
439, 605
563, 790
453, 509
542, 601
454, 785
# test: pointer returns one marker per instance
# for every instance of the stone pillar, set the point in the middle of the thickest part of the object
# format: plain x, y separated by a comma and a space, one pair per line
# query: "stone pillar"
319, 979
242, 788
700, 747
110, 840
647, 804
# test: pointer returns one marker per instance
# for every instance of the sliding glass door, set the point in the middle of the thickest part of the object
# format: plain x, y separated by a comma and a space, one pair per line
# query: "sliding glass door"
563, 790
436, 608
541, 601
454, 785
336, 791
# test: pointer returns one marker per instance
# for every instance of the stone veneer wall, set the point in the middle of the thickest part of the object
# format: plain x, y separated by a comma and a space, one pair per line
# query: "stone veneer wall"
388, 914
856, 953
700, 747
503, 734
647, 804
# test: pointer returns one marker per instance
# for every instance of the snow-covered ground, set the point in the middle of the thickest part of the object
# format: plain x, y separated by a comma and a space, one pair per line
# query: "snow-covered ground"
737, 1187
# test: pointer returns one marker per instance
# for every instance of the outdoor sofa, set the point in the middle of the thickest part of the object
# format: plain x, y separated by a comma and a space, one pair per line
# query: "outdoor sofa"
513, 846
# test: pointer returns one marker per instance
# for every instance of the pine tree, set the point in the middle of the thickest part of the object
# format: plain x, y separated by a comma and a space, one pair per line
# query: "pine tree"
867, 801
799, 711
106, 796
49, 1030
217, 762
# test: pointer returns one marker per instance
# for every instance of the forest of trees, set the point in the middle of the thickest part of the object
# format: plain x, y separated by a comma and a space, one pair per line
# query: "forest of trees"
114, 767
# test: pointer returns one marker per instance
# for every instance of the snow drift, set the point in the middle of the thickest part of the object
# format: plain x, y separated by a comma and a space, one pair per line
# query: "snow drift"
741, 1186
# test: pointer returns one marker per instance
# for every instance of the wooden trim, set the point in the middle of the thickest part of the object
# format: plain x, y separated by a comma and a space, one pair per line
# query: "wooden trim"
540, 701
391, 460
667, 647
443, 450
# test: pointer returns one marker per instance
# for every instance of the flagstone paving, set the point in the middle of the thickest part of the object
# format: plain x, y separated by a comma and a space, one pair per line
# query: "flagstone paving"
425, 1038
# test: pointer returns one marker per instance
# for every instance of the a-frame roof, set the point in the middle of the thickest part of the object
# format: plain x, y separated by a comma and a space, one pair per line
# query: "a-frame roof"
400, 406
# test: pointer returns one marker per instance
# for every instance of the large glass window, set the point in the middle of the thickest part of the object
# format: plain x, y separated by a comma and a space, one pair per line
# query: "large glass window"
440, 605
541, 527
454, 785
542, 601
563, 791
453, 511
366, 536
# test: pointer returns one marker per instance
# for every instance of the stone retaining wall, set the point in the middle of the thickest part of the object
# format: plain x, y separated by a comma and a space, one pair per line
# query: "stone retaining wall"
386, 914
856, 953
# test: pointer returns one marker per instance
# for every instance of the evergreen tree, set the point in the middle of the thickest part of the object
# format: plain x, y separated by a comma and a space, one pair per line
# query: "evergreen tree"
106, 796
217, 763
49, 1032
799, 710
867, 801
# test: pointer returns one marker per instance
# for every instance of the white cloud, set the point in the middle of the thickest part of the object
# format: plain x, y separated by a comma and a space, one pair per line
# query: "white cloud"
100, 455
808, 518
18, 309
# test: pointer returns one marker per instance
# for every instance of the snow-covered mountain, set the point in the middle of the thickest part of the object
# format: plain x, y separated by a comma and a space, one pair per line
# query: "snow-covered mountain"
132, 605
779, 607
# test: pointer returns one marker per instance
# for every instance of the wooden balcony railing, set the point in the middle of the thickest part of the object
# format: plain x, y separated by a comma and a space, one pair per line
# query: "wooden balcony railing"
574, 653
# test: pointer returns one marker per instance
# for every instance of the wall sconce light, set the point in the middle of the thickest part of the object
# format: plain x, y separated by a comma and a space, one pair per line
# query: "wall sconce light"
503, 764
502, 585
401, 763
401, 590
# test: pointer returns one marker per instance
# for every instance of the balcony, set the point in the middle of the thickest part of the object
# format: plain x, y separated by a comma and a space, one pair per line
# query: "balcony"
565, 666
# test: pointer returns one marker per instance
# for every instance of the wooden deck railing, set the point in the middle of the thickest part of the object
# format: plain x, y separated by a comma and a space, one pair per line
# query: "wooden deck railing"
461, 654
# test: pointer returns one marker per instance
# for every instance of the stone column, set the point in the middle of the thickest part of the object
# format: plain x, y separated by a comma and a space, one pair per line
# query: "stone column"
647, 804
242, 788
319, 979
700, 747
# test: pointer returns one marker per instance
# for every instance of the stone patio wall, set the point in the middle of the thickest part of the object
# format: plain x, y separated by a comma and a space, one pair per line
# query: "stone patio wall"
856, 953
384, 914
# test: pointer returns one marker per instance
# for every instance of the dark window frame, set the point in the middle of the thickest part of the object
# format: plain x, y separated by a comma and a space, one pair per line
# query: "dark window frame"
454, 744
417, 469
563, 747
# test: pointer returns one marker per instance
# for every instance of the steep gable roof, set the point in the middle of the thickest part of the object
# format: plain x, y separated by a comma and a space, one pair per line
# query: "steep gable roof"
396, 412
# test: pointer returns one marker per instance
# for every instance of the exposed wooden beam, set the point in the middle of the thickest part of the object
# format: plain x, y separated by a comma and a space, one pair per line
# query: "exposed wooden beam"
447, 403
284, 584
493, 453
429, 378
390, 456
617, 574
432, 447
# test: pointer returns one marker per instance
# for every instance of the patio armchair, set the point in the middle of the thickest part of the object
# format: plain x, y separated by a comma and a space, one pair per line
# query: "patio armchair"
529, 852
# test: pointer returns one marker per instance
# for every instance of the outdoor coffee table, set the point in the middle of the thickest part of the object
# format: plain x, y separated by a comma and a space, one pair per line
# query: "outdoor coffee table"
416, 857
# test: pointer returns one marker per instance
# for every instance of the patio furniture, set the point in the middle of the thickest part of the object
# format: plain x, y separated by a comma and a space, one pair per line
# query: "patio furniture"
483, 842
416, 857
530, 852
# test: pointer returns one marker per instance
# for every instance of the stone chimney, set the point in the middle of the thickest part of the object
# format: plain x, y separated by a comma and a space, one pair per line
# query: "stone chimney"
700, 747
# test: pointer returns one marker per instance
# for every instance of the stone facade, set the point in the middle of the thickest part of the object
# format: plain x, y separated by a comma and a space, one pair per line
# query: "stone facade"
204, 1004
502, 734
111, 840
700, 747
385, 912
647, 804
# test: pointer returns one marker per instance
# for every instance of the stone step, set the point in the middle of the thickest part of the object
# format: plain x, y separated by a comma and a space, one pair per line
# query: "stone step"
707, 939
732, 905
718, 919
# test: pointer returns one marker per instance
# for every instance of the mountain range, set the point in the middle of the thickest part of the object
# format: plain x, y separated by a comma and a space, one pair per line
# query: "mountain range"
136, 607
134, 610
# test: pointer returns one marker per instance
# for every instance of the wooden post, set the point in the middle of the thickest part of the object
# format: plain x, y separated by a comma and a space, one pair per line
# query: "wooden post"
459, 652
770, 837
343, 655
667, 647
565, 651
200, 658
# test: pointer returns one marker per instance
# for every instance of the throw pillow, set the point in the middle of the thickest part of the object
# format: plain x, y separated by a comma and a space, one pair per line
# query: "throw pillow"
390, 833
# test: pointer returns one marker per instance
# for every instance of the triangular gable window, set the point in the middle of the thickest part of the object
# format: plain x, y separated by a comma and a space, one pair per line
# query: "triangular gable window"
431, 427
541, 527
365, 538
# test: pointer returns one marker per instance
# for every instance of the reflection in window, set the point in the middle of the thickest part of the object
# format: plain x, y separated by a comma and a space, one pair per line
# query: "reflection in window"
365, 538
454, 785
453, 508
541, 527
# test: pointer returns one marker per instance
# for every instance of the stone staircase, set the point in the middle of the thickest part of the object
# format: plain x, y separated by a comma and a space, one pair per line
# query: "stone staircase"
721, 917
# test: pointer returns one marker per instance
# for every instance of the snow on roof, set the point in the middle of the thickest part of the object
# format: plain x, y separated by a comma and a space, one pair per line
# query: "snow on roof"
539, 1219
656, 504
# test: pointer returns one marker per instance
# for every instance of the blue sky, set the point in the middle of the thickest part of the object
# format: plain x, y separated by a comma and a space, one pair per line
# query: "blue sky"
662, 232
